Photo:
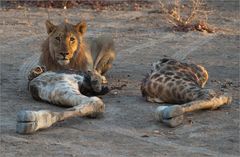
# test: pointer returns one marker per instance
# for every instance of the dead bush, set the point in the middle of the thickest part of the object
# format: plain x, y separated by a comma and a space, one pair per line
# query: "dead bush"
186, 15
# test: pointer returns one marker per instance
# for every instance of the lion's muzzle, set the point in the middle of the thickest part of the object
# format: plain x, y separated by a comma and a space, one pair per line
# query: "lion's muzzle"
63, 61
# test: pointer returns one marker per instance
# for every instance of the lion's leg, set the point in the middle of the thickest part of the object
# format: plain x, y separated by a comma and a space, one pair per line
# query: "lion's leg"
105, 63
31, 121
172, 115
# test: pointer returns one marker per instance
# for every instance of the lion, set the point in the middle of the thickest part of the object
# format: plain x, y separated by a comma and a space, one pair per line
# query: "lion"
66, 48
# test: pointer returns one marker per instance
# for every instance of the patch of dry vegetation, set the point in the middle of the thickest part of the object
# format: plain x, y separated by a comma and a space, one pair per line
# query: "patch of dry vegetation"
188, 15
97, 5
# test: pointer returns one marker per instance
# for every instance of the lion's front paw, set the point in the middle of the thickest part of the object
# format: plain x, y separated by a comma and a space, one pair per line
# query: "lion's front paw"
96, 83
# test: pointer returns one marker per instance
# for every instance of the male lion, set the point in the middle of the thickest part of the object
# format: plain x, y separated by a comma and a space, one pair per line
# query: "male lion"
66, 48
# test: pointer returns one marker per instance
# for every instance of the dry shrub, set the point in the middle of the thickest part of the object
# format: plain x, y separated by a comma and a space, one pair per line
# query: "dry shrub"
187, 15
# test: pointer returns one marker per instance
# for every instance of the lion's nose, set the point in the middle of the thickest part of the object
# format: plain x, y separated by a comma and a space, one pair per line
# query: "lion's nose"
64, 54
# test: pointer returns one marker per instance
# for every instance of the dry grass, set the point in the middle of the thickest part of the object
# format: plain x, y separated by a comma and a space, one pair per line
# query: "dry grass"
188, 15
97, 5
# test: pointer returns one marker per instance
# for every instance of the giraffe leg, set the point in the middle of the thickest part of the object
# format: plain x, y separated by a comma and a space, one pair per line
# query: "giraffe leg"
30, 121
211, 103
173, 115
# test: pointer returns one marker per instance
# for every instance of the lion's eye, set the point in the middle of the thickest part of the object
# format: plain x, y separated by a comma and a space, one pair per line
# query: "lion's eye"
72, 39
57, 38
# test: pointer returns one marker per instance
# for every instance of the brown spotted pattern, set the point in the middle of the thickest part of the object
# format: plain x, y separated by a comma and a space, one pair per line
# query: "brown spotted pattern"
171, 81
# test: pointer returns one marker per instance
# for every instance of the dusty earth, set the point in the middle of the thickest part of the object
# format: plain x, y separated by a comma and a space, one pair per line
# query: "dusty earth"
128, 127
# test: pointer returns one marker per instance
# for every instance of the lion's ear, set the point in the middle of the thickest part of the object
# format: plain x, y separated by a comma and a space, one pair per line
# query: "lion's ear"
81, 27
50, 27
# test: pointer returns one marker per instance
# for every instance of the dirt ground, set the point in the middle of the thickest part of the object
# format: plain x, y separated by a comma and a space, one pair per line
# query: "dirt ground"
128, 127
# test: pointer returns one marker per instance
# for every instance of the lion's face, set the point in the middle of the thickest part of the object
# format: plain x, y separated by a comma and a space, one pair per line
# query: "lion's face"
64, 41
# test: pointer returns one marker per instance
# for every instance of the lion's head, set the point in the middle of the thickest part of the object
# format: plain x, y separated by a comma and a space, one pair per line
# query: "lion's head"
62, 49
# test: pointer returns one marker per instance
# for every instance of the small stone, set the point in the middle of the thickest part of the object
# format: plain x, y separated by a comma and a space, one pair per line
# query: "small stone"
156, 132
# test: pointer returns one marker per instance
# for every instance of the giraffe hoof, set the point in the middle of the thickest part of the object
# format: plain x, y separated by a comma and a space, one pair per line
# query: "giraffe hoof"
26, 116
167, 112
172, 111
26, 127
31, 121
26, 122
173, 122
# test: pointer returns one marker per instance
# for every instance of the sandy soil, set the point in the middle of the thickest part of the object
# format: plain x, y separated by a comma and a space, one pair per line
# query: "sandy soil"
128, 127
